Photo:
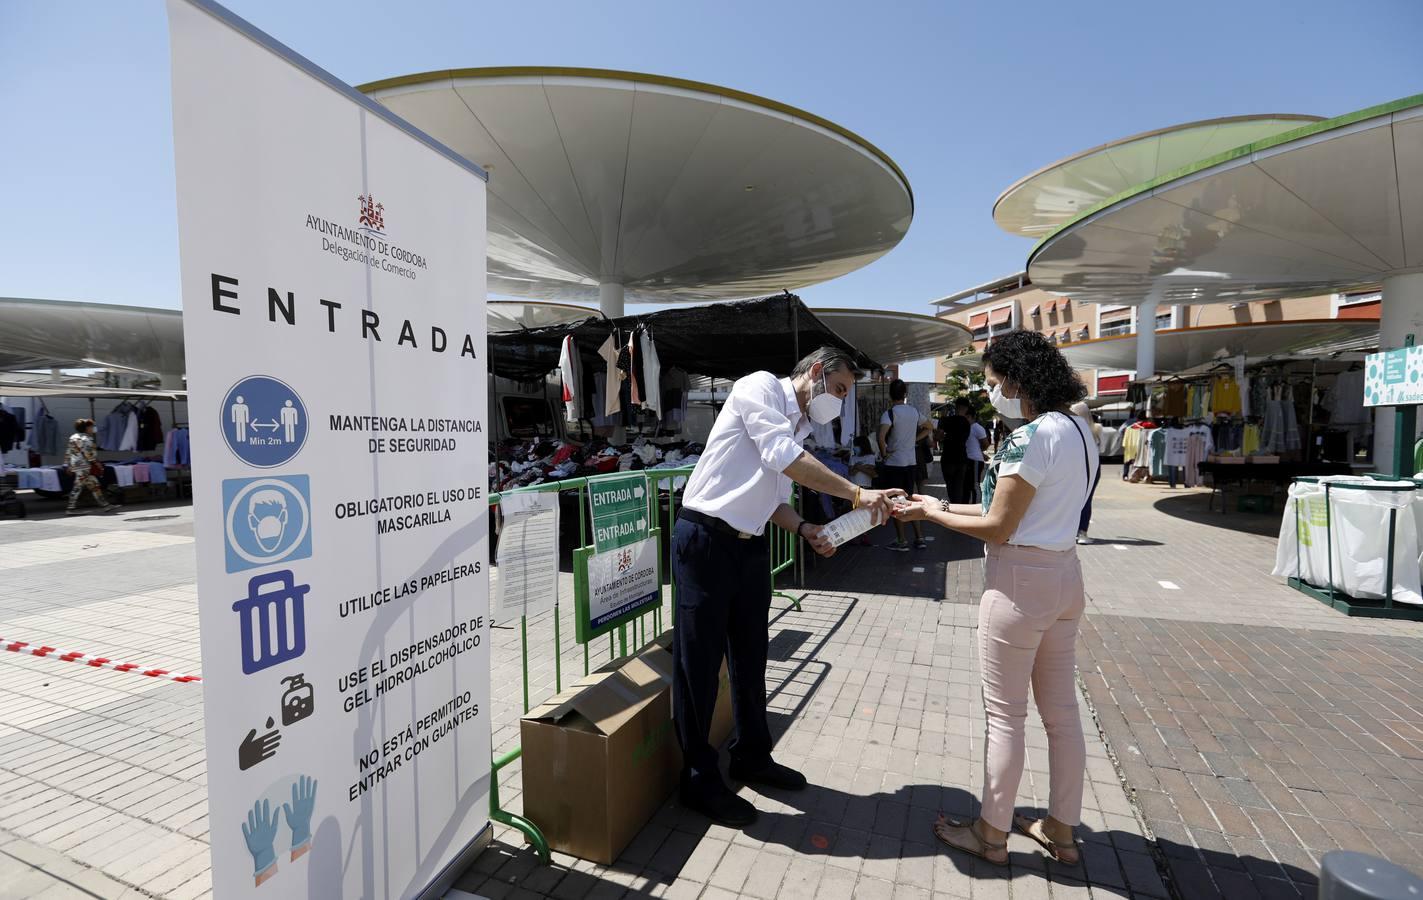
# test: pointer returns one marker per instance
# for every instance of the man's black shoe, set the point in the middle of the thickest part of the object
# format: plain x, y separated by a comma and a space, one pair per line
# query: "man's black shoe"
720, 805
770, 774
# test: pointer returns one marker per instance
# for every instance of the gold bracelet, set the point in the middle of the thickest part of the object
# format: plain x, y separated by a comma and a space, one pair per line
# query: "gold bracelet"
856, 503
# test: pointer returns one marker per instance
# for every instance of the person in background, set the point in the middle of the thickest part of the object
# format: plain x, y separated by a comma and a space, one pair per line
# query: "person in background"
1083, 412
900, 428
80, 456
975, 448
953, 452
721, 561
1033, 598
863, 472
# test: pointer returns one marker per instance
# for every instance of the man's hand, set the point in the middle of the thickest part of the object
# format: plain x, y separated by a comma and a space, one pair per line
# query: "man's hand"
816, 537
880, 503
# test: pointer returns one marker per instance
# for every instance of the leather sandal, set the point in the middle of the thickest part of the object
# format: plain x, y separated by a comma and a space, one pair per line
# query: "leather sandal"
980, 846
1024, 825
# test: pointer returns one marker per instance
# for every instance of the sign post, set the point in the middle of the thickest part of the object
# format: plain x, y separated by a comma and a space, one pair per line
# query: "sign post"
620, 576
1395, 378
333, 288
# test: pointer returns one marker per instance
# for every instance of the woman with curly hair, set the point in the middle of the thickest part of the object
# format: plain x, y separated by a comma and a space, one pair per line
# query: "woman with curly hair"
1033, 491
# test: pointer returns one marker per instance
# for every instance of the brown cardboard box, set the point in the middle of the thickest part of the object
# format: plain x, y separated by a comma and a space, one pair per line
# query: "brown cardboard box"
599, 760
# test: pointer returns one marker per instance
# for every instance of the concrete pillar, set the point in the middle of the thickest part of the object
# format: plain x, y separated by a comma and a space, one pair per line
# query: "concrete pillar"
610, 300
1401, 315
1146, 338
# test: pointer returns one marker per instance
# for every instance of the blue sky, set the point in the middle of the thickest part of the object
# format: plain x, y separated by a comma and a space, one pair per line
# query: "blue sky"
965, 96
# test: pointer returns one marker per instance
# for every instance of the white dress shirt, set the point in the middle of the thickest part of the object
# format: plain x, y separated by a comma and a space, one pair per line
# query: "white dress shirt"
757, 435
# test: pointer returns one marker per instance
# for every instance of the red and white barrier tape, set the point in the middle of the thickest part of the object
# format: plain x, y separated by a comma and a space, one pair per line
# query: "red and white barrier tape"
98, 662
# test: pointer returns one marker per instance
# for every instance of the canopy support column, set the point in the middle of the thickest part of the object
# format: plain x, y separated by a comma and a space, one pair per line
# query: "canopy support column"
1400, 316
610, 300
1146, 338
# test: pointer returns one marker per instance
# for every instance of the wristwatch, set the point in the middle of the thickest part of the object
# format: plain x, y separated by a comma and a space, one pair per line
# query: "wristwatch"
944, 505
803, 523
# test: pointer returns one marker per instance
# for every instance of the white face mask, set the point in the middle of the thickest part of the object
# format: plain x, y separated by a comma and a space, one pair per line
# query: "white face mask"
824, 406
1011, 408
268, 530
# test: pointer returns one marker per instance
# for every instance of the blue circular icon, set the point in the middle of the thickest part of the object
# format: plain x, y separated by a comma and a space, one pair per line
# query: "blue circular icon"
263, 421
268, 520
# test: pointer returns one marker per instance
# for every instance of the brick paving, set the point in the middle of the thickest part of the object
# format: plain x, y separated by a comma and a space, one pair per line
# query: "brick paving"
1257, 729
1241, 729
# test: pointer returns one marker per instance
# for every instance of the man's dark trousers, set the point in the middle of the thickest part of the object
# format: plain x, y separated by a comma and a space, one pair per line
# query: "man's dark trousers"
723, 602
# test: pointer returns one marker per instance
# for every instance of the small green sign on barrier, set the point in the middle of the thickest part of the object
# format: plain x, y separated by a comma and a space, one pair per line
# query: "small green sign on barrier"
619, 577
619, 510
616, 586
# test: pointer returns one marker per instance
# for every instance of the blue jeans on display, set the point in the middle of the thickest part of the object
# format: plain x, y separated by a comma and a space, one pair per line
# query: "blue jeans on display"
723, 605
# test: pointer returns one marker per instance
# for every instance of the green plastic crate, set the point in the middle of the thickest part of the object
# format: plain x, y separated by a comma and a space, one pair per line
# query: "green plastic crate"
1255, 503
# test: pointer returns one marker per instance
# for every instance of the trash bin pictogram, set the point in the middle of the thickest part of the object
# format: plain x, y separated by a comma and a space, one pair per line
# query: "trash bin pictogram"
273, 621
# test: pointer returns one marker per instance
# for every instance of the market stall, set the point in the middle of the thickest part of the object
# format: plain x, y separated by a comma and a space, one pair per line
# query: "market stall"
141, 436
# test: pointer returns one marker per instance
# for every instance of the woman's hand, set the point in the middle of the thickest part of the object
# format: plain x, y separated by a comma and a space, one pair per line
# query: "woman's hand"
917, 509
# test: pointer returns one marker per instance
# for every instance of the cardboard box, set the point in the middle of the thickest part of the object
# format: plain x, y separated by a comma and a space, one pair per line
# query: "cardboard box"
601, 758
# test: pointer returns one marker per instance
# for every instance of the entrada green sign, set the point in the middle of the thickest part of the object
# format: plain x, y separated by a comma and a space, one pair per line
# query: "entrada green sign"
619, 507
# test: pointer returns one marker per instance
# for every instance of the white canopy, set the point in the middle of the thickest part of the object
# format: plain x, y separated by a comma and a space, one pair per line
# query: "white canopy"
672, 189
1181, 349
1332, 206
1040, 203
890, 337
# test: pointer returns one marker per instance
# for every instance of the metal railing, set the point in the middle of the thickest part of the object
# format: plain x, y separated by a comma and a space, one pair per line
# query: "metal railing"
664, 487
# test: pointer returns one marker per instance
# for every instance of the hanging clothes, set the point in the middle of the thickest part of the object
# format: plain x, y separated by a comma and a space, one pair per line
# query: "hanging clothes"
129, 441
676, 389
1225, 395
111, 429
1173, 404
849, 418
651, 374
636, 387
1250, 440
150, 430
176, 450
571, 372
11, 433
613, 376
44, 438
1156, 450
1176, 446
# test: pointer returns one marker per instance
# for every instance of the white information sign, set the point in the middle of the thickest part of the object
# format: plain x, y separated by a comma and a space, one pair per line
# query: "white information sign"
622, 580
333, 311
526, 582
1394, 377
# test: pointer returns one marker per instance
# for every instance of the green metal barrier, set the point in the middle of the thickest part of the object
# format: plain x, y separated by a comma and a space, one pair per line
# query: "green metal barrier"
661, 483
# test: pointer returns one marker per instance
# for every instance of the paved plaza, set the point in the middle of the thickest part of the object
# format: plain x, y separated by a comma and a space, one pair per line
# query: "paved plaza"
1237, 730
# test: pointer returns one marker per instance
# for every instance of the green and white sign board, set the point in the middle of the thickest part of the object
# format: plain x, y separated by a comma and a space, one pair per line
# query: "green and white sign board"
619, 508
1394, 377
619, 577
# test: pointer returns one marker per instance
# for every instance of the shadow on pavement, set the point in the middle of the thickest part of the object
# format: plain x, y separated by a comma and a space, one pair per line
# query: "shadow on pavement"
898, 825
1192, 508
875, 569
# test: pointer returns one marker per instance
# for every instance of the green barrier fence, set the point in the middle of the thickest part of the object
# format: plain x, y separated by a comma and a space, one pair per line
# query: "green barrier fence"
663, 491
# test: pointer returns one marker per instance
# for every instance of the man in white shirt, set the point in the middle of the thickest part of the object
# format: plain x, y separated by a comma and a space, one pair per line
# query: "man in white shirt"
977, 444
900, 428
721, 565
